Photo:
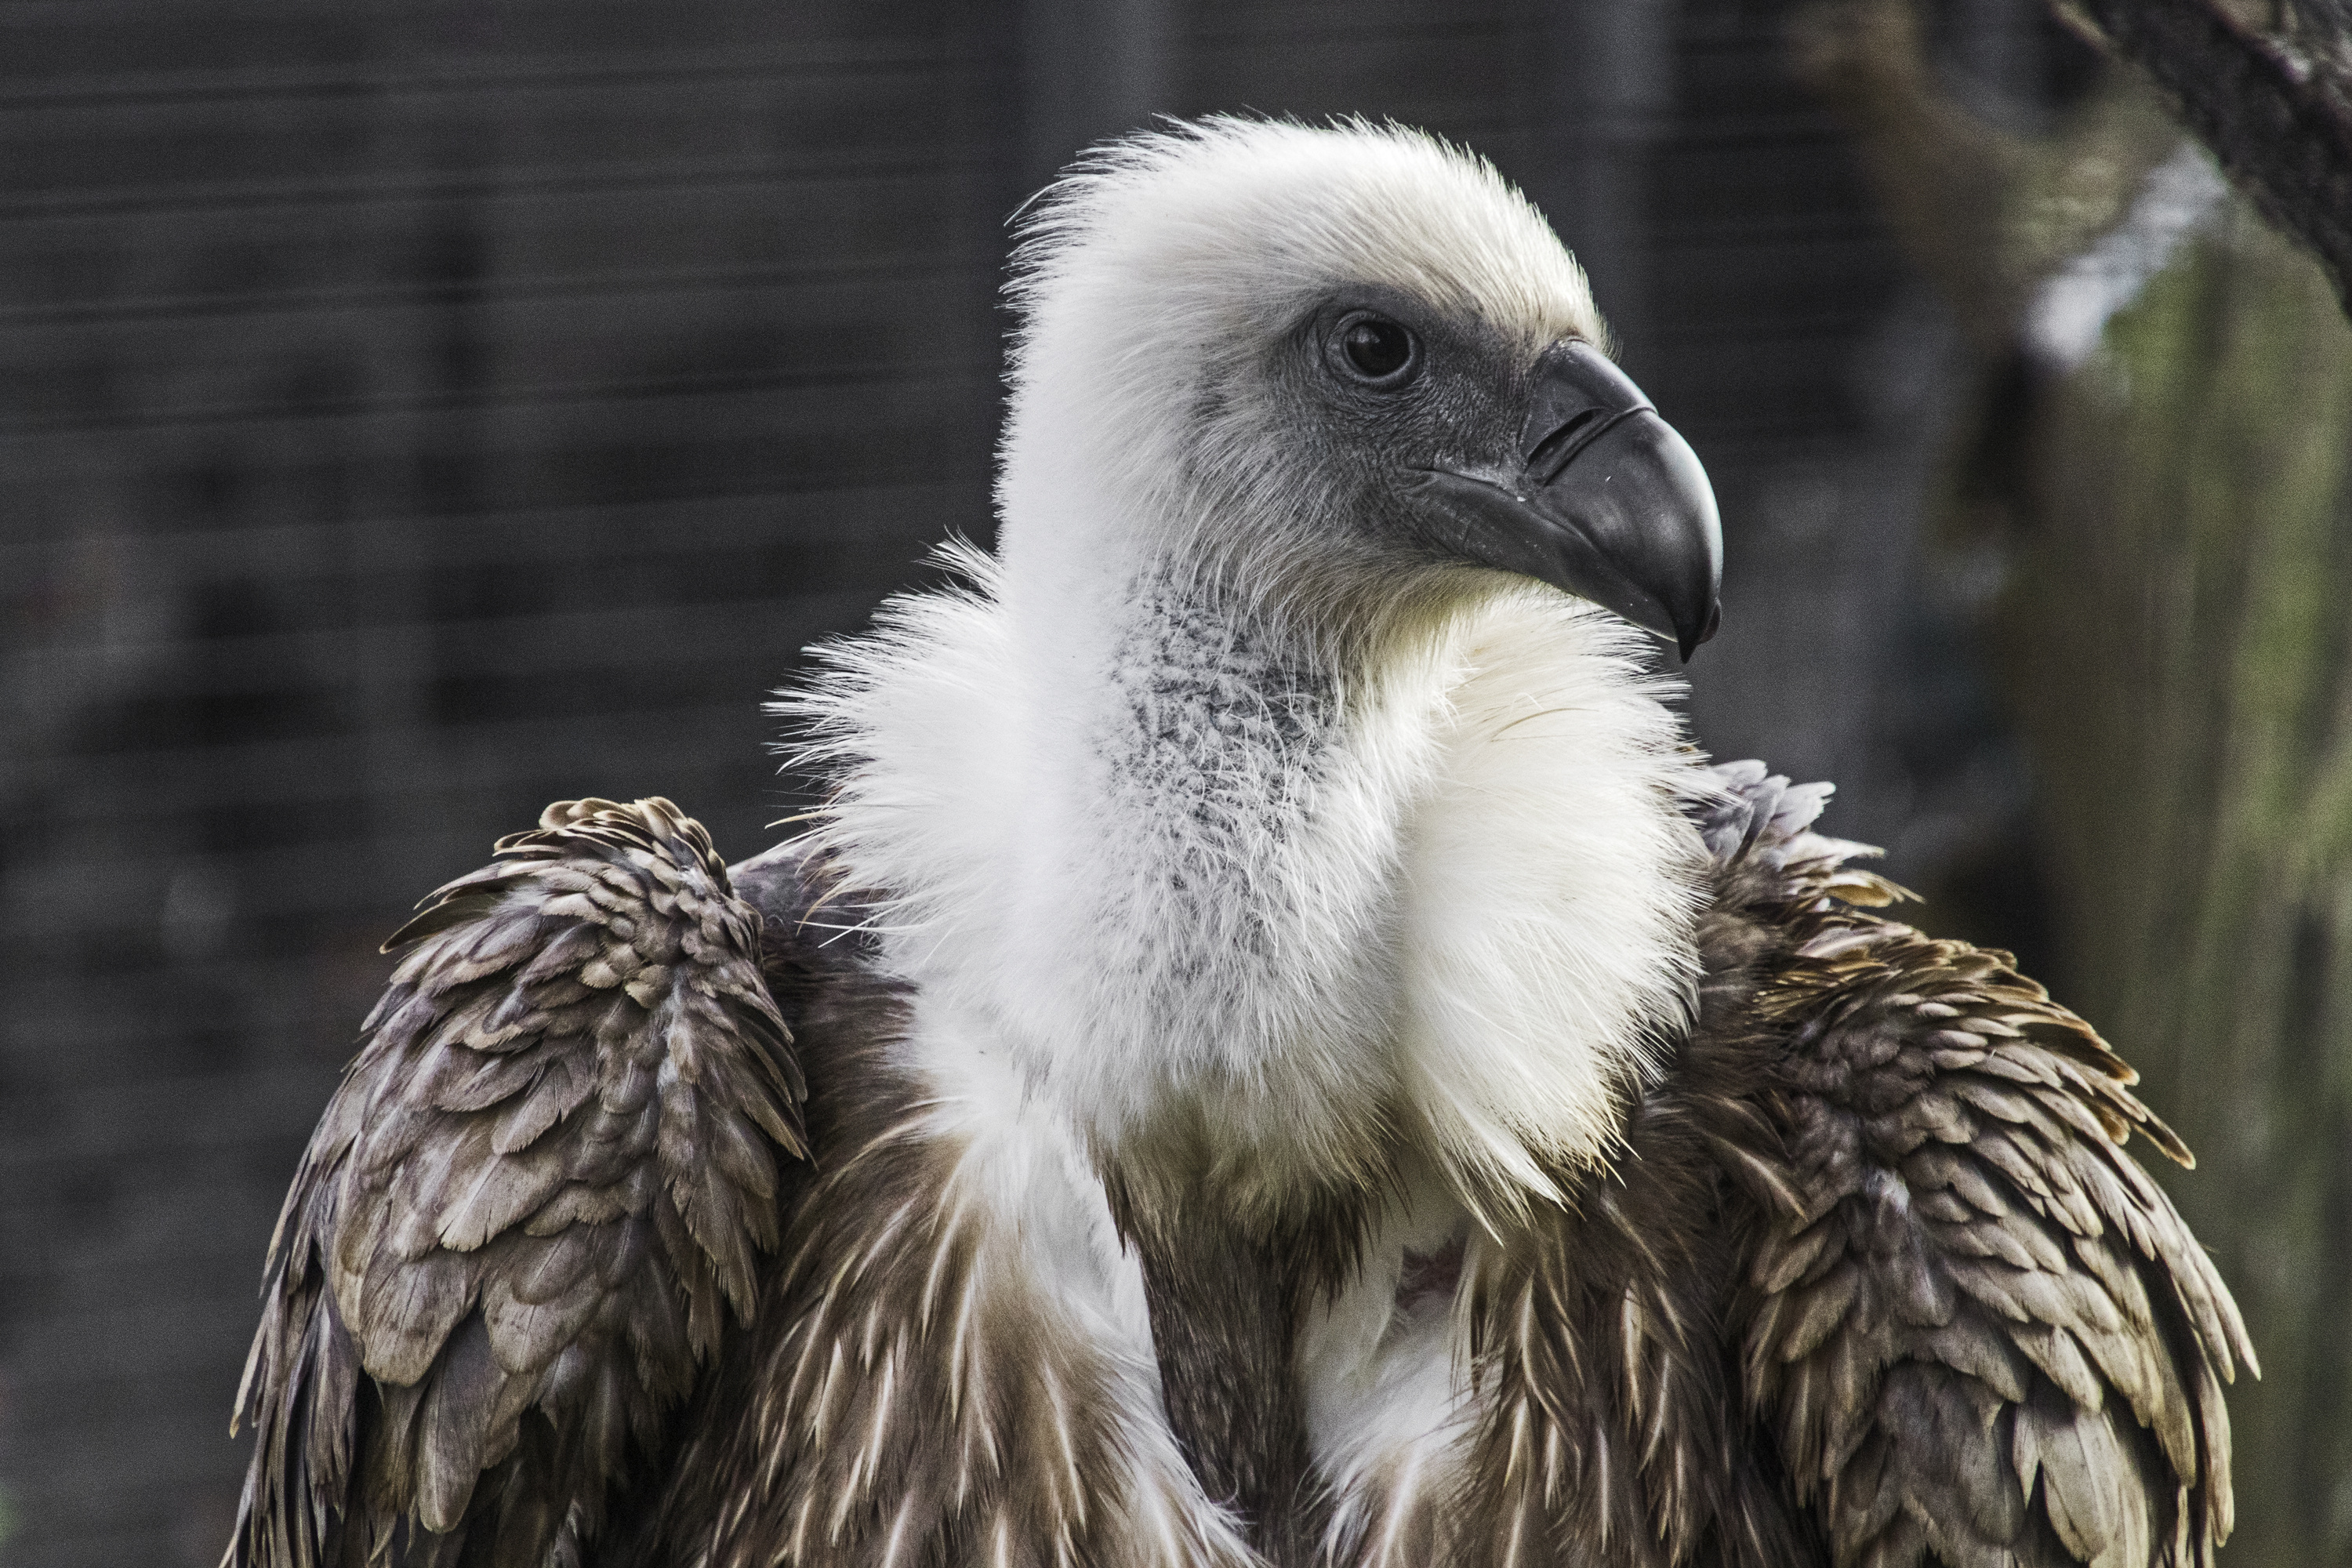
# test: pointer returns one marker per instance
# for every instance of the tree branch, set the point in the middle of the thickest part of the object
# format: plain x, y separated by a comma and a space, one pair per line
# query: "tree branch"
2277, 115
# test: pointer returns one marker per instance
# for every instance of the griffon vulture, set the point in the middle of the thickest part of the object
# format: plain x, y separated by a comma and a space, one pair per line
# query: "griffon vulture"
1276, 1050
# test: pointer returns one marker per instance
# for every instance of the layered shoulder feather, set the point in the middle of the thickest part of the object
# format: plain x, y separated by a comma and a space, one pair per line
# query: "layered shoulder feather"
546, 1178
1978, 1332
1873, 1279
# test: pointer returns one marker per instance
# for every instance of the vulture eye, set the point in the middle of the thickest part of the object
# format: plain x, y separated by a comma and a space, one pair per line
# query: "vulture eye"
1376, 349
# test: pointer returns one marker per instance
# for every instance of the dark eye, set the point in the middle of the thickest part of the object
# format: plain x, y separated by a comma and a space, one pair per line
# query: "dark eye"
1376, 350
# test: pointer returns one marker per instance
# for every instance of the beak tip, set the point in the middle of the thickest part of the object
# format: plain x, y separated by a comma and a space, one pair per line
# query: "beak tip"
1688, 642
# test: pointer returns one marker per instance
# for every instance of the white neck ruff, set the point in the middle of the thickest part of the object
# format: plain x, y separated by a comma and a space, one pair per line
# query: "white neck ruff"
1449, 899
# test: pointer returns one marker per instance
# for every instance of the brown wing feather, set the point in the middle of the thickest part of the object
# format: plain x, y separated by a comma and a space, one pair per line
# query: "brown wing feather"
1979, 1331
550, 1170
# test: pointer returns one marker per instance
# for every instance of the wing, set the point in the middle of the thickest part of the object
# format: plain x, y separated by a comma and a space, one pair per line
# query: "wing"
515, 1234
1979, 1331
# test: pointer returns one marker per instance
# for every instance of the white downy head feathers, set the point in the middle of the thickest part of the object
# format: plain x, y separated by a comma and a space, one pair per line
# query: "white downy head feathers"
1154, 280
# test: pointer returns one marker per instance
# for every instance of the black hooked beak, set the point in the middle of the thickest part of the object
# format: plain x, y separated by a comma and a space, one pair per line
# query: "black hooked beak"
1607, 501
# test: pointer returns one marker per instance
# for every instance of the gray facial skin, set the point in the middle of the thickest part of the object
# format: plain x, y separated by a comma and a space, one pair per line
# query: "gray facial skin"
1558, 469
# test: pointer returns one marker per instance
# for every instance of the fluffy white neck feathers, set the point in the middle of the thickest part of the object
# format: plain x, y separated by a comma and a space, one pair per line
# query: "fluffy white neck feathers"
1168, 865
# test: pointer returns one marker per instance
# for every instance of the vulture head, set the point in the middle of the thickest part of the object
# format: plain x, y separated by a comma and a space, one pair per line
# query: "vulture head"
1338, 367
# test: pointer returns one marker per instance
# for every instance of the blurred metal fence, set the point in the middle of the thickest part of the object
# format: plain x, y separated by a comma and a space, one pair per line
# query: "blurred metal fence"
417, 410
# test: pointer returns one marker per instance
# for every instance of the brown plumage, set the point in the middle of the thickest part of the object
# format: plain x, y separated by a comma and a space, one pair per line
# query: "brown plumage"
899, 1393
531, 1210
1873, 1279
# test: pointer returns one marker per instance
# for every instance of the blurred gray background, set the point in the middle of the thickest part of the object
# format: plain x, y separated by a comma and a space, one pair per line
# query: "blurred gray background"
416, 411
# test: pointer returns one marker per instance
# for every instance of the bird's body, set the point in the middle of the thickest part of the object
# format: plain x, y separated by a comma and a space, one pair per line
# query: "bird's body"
1303, 1064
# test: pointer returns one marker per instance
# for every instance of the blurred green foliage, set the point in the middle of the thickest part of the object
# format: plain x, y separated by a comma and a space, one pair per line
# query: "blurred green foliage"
2174, 641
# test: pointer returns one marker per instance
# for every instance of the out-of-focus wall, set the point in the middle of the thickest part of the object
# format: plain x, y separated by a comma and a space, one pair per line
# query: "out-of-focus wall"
415, 412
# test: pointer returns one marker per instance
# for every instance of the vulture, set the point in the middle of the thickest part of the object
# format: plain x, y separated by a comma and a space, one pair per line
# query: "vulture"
1274, 1051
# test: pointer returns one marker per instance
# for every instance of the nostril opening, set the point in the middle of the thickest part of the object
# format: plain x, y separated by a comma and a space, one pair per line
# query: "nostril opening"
1552, 452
